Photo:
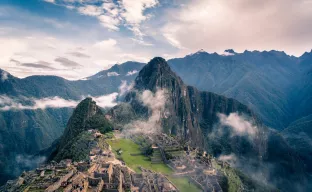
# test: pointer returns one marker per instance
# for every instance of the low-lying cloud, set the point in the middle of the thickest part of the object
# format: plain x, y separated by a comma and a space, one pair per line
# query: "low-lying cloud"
28, 161
106, 100
131, 72
155, 102
4, 76
110, 74
125, 87
22, 103
239, 125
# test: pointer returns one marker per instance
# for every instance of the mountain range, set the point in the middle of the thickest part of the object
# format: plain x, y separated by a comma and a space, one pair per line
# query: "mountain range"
276, 86
194, 116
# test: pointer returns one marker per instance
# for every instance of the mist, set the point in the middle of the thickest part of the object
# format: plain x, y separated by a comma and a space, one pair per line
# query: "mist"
155, 102
125, 87
4, 76
23, 103
240, 125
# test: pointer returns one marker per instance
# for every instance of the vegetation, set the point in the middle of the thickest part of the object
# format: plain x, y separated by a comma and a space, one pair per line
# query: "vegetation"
235, 180
78, 148
133, 157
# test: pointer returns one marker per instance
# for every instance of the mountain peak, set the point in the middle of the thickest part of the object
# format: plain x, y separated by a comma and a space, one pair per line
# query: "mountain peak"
77, 123
230, 51
156, 74
87, 115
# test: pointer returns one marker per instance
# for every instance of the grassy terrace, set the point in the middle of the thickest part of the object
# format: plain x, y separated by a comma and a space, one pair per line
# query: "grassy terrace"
137, 160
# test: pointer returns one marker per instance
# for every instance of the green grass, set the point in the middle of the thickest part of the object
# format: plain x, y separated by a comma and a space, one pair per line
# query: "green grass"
183, 184
134, 162
234, 182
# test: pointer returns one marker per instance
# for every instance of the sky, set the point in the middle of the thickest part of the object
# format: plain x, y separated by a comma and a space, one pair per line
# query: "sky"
77, 38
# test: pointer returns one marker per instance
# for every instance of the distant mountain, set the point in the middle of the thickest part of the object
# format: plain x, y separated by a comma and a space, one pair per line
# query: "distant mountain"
26, 132
261, 80
194, 116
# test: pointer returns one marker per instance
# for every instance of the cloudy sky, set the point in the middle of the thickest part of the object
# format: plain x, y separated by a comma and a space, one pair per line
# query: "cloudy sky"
77, 38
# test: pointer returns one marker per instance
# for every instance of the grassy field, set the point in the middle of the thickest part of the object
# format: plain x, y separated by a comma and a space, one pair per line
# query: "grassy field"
128, 147
234, 182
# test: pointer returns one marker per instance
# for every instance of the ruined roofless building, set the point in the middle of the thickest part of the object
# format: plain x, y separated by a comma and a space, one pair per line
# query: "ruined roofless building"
105, 172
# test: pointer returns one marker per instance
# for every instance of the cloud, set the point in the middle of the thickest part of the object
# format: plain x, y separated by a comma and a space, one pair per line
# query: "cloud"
66, 62
110, 74
133, 13
90, 10
106, 100
217, 25
132, 72
105, 44
109, 22
155, 102
34, 65
240, 125
141, 42
231, 159
125, 88
174, 42
49, 1
4, 76
10, 103
113, 14
78, 54
28, 161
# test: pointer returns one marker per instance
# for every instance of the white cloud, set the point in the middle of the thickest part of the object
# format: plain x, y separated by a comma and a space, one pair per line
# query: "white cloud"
217, 25
229, 158
134, 10
124, 87
111, 14
132, 72
106, 100
90, 10
10, 103
105, 44
171, 39
109, 22
240, 125
156, 105
110, 74
4, 76
141, 42
50, 1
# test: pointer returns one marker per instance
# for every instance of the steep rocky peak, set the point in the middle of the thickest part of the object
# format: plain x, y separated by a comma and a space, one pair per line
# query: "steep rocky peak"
156, 74
85, 110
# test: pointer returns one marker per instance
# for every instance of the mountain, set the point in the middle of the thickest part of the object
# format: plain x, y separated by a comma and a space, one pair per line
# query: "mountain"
74, 142
261, 80
195, 117
24, 132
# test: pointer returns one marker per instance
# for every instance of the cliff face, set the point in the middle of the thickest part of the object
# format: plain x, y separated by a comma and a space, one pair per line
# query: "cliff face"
195, 117
190, 114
